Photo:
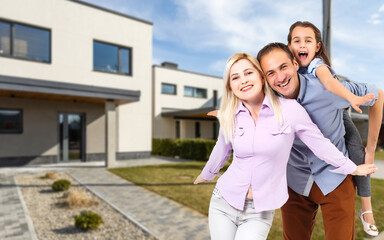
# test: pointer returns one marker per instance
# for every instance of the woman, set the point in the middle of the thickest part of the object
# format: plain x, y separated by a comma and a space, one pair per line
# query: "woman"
260, 128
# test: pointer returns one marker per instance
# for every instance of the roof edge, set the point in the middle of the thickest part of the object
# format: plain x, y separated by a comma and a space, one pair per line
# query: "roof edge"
111, 11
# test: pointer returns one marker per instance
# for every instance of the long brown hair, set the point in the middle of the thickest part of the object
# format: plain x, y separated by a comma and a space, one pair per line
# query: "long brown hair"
322, 53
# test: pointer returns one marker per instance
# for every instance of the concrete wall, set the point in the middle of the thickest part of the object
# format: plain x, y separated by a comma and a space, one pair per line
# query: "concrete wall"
40, 127
74, 27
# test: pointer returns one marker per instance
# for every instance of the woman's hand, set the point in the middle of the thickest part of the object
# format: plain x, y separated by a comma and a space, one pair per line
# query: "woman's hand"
365, 169
199, 179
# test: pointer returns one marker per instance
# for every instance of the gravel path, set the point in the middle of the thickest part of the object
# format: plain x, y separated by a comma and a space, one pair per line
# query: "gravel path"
52, 220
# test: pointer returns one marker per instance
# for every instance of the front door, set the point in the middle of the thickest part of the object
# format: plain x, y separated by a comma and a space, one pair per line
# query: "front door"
71, 137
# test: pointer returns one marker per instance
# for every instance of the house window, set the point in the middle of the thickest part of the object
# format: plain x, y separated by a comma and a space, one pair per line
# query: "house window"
25, 42
197, 130
214, 98
215, 130
11, 121
195, 92
167, 88
177, 129
112, 58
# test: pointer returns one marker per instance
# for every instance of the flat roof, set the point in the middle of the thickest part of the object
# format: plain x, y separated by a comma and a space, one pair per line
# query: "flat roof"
111, 11
19, 84
186, 71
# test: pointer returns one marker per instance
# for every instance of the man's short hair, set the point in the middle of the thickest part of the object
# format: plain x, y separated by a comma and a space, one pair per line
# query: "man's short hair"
273, 46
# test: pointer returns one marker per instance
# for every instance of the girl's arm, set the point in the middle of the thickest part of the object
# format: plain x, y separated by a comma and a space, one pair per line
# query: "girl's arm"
375, 119
335, 87
323, 148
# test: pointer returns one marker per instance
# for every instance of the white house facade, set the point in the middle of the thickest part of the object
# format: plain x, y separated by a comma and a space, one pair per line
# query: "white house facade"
181, 101
75, 83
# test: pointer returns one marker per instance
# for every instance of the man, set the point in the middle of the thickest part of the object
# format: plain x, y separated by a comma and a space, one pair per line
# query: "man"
310, 182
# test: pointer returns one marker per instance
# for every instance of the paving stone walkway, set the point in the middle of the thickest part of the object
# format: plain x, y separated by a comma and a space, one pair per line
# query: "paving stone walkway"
159, 216
13, 215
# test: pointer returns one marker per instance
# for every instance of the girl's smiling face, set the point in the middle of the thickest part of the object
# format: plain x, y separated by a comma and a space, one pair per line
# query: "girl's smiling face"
303, 45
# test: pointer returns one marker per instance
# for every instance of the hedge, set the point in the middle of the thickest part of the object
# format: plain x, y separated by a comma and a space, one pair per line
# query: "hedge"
194, 149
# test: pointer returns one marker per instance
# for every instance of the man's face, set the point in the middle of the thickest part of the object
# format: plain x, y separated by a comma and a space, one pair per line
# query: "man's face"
281, 73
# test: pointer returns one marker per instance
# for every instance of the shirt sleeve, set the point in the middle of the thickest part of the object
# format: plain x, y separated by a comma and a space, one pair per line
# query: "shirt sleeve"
322, 147
317, 62
357, 88
217, 159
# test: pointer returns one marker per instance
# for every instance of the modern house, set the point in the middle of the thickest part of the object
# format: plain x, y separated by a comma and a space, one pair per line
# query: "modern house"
75, 83
182, 100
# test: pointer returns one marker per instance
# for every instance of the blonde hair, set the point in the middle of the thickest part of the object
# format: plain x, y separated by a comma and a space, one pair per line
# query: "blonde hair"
230, 102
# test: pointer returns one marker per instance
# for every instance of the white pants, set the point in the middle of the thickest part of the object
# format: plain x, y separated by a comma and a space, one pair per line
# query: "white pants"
229, 223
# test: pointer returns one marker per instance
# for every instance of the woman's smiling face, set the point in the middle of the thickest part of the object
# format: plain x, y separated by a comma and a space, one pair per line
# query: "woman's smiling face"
245, 81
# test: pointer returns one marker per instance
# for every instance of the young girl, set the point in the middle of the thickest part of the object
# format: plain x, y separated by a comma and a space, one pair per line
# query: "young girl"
260, 128
304, 41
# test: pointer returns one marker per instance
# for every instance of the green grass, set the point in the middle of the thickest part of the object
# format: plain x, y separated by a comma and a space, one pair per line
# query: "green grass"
175, 181
379, 155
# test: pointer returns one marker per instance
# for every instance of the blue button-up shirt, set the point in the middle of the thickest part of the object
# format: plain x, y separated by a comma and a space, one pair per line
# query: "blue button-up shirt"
325, 110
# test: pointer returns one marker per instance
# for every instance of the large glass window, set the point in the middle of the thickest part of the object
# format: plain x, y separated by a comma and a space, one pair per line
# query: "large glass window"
197, 130
177, 129
5, 36
26, 42
11, 121
215, 130
195, 92
111, 58
168, 88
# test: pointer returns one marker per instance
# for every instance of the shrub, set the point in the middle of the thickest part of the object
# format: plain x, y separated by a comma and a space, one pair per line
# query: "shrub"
49, 175
61, 185
76, 199
165, 147
196, 149
88, 221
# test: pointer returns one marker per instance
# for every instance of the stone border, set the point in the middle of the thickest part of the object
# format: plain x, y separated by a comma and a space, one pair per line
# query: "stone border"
129, 218
31, 228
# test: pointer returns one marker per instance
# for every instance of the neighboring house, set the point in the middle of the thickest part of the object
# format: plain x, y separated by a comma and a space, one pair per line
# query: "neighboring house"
182, 100
75, 83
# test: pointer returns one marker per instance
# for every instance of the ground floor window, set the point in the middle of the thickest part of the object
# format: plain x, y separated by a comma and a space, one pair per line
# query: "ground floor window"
177, 129
215, 130
197, 130
11, 120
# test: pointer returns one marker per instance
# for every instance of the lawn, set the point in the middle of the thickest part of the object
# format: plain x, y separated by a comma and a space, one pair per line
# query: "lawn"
379, 155
175, 181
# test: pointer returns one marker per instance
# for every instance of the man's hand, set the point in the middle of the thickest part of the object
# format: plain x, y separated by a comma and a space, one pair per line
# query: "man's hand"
212, 113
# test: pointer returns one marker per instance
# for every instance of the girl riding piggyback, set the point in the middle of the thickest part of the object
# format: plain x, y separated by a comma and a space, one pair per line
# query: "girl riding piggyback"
304, 41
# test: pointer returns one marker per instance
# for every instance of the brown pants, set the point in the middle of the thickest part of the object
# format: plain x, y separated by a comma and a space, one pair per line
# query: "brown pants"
338, 210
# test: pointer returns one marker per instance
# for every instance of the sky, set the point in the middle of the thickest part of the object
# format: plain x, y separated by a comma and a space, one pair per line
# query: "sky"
200, 35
